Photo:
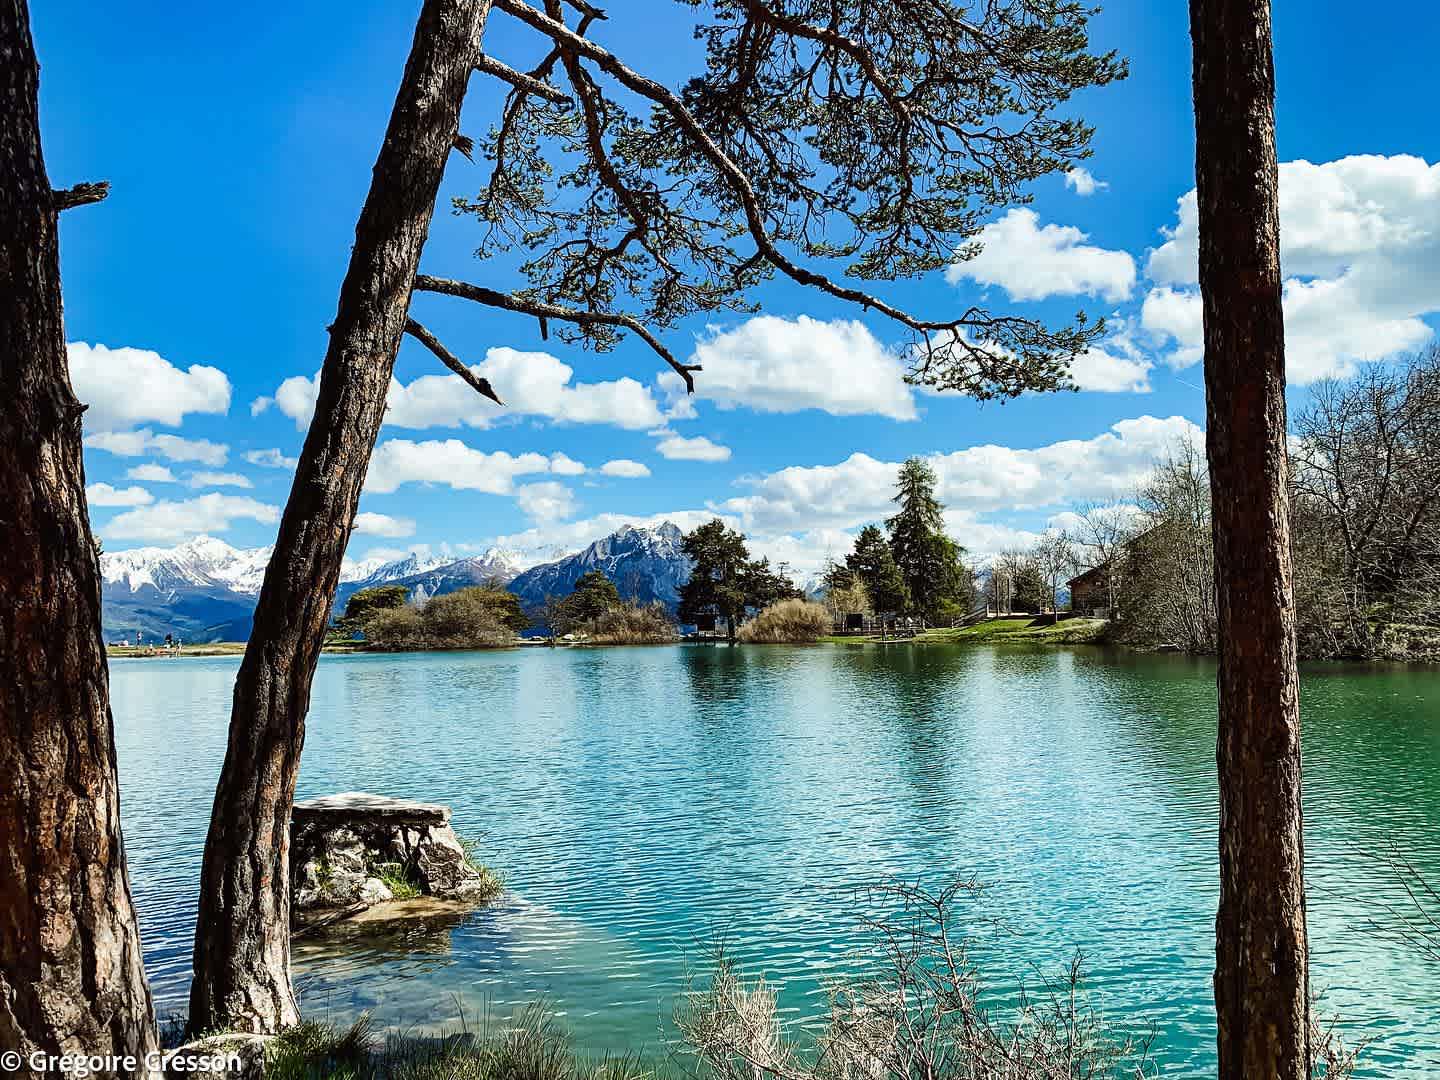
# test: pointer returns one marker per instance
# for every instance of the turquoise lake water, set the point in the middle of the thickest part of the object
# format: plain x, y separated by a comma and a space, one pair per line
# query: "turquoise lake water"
645, 803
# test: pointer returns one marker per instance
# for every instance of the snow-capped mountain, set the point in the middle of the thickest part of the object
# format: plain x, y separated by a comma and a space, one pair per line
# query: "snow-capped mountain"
645, 565
204, 562
205, 590
428, 577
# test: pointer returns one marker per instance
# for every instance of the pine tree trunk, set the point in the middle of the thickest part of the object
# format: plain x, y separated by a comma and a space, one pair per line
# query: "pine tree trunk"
242, 936
71, 978
1261, 970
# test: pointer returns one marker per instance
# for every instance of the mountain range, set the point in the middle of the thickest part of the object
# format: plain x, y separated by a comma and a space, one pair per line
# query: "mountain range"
205, 590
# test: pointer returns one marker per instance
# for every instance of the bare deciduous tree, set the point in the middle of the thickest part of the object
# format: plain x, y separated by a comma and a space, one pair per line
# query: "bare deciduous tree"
1098, 536
1165, 584
1054, 555
927, 1012
1367, 479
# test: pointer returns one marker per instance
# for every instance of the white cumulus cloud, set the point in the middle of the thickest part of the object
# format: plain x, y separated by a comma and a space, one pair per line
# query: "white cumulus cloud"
1107, 371
1360, 249
564, 465
153, 474
372, 524
530, 384
172, 522
1083, 182
1032, 262
625, 469
170, 447
451, 463
219, 479
696, 448
271, 458
974, 481
106, 495
772, 364
126, 386
545, 502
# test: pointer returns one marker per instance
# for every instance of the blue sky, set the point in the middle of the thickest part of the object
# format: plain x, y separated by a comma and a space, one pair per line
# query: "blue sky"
239, 146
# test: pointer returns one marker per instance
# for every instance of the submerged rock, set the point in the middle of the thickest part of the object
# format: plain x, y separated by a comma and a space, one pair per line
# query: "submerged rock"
351, 851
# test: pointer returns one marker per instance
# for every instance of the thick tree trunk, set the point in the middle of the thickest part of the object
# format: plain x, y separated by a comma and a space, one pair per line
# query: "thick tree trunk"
242, 937
1261, 970
71, 978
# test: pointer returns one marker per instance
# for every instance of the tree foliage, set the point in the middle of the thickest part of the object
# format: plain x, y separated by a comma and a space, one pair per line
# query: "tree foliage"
480, 616
725, 581
875, 138
930, 562
873, 564
364, 604
594, 594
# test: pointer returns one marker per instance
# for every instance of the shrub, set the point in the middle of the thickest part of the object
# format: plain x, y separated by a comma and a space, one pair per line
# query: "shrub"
395, 628
926, 1013
479, 617
466, 619
594, 595
788, 622
632, 624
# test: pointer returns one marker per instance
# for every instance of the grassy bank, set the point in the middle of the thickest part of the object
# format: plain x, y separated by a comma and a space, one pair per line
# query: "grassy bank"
213, 648
1023, 629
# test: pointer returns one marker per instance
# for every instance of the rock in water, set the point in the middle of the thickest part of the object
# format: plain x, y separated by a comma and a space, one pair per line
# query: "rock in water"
348, 851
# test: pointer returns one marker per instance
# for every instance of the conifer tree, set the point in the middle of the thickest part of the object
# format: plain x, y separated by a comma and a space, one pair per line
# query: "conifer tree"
874, 565
928, 560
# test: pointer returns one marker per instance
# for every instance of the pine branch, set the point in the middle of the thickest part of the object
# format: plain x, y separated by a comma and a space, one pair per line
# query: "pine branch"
450, 360
539, 309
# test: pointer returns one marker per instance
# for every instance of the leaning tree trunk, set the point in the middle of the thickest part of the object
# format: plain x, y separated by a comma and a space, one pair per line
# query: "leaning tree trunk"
1261, 966
242, 936
71, 978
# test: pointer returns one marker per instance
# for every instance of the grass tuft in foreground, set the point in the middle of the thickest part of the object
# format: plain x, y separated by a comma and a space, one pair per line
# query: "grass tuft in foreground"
493, 882
530, 1047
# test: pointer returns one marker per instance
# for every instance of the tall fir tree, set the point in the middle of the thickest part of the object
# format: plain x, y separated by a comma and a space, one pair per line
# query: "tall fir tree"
928, 560
874, 565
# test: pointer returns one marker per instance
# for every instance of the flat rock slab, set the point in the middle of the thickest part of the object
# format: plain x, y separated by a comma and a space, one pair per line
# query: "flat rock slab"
352, 851
347, 805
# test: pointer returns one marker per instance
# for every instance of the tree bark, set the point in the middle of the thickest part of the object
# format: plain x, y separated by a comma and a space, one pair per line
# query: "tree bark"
1261, 969
71, 978
242, 936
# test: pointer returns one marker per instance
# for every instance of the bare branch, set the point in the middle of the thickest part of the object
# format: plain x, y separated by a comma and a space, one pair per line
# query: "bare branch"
543, 311
450, 360
80, 195
521, 81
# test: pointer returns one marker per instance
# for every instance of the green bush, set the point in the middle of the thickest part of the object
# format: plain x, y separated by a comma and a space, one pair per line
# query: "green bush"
466, 619
480, 617
395, 628
789, 622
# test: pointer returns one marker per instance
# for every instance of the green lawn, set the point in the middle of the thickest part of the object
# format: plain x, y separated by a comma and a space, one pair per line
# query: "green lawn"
1039, 631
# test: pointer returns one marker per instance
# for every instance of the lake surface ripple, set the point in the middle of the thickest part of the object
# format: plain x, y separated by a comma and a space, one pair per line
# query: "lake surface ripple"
647, 803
